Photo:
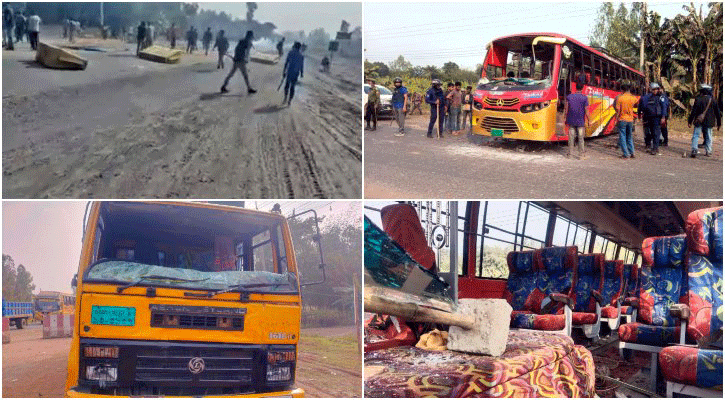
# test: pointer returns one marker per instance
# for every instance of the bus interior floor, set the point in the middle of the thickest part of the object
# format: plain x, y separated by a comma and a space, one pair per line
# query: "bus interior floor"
609, 364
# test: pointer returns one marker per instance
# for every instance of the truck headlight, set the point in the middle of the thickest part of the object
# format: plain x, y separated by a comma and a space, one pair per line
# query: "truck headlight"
102, 372
278, 373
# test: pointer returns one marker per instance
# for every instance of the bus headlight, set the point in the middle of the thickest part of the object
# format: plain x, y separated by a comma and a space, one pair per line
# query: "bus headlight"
527, 108
102, 372
279, 373
477, 105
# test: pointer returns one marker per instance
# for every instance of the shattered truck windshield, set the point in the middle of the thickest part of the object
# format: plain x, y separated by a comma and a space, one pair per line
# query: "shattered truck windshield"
190, 247
513, 64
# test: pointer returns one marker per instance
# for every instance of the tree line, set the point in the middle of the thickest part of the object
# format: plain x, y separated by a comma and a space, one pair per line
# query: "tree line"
679, 53
17, 281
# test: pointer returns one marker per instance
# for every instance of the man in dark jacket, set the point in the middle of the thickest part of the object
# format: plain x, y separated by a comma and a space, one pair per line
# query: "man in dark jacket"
280, 45
140, 36
206, 40
436, 98
293, 68
652, 110
222, 44
8, 26
705, 115
241, 57
190, 40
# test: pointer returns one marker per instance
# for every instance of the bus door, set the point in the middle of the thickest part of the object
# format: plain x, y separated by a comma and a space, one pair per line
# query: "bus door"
564, 88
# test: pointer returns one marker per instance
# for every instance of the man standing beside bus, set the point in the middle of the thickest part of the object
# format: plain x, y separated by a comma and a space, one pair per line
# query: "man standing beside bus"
436, 98
466, 107
704, 115
400, 104
625, 121
653, 108
577, 118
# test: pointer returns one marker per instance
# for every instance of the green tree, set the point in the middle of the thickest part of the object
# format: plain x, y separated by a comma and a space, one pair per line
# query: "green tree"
618, 31
400, 64
9, 275
23, 284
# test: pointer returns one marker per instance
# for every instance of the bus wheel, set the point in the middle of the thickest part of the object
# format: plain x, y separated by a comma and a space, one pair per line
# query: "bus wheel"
19, 323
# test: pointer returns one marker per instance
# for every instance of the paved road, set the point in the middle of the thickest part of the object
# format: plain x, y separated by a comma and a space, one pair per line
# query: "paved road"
417, 167
166, 132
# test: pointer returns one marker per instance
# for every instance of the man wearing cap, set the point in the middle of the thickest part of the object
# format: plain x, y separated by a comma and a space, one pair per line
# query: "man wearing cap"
436, 98
400, 104
704, 115
652, 109
241, 57
371, 108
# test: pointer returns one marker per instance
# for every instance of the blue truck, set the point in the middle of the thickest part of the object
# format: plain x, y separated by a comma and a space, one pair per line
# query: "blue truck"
19, 313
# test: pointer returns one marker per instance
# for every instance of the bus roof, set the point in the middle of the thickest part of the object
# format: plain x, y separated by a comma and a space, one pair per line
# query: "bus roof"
578, 43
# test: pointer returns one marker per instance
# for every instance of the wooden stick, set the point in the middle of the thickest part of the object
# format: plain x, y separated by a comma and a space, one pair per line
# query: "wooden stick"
414, 312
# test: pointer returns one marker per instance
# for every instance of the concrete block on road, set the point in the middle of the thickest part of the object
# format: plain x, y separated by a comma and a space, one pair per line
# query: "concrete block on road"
491, 332
55, 57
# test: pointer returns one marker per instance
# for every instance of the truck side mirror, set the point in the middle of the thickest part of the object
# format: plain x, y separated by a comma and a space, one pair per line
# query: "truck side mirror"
307, 241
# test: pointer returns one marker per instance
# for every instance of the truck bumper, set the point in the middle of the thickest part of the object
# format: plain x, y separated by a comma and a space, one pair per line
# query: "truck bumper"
299, 392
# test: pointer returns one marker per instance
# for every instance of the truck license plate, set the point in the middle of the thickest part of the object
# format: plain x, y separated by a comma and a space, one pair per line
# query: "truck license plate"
496, 132
117, 316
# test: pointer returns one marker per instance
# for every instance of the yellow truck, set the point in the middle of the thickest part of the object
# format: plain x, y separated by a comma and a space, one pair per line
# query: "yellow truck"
186, 299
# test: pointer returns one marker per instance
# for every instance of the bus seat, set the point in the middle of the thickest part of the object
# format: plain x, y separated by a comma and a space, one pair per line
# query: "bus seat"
627, 311
401, 223
587, 294
690, 370
522, 279
550, 304
612, 291
535, 364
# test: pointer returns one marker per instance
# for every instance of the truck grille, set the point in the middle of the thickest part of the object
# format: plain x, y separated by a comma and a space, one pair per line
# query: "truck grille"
501, 102
161, 366
507, 125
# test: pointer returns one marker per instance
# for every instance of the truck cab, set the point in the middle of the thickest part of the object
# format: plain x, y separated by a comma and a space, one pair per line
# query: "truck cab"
185, 299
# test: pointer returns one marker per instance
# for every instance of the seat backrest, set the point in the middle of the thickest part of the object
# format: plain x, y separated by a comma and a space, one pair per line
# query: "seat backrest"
663, 279
522, 278
613, 282
704, 265
556, 273
401, 223
589, 278
631, 271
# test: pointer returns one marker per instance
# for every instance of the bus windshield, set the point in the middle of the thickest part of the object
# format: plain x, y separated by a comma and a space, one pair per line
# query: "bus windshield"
189, 247
513, 64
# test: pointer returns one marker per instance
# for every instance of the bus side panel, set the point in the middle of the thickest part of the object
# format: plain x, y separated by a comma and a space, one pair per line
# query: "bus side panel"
480, 288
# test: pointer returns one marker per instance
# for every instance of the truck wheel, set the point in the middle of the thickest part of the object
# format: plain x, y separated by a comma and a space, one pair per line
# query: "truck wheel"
19, 323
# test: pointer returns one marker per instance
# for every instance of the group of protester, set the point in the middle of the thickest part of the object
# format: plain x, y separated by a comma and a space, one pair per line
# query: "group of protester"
19, 25
653, 109
448, 108
145, 36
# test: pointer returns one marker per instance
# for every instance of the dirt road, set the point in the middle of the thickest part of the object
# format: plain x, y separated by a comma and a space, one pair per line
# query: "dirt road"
328, 366
416, 167
166, 132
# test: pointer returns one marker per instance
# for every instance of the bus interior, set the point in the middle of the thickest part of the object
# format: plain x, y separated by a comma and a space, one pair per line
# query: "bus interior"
609, 298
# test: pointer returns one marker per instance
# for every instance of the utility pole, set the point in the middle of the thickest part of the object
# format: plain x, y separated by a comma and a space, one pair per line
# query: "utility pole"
642, 20
101, 15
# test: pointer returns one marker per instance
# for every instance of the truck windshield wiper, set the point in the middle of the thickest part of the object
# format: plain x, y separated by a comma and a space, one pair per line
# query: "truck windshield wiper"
231, 288
157, 277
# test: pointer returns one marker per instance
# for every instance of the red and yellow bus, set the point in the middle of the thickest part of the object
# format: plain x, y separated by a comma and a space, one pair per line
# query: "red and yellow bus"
525, 79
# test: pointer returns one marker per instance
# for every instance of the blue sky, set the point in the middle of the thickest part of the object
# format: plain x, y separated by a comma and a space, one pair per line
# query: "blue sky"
434, 33
294, 16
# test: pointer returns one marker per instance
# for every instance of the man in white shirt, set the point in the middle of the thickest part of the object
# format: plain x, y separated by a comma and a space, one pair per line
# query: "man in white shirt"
34, 30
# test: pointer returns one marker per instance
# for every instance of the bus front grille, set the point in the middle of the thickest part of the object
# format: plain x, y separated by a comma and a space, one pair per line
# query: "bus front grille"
168, 367
501, 102
507, 125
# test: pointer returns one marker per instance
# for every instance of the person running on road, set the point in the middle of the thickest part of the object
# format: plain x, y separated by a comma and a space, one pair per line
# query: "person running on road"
400, 104
241, 57
34, 30
206, 40
8, 25
371, 108
293, 68
280, 46
223, 45
140, 36
705, 115
172, 35
577, 118
190, 40
436, 98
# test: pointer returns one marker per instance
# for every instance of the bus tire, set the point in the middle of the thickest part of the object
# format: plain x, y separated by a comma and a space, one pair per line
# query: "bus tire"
19, 323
